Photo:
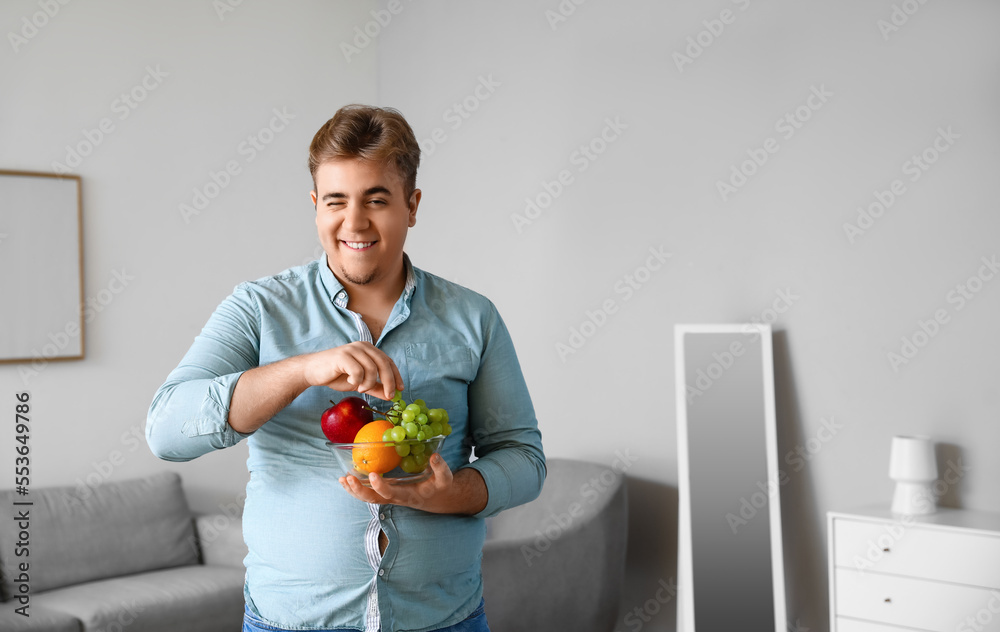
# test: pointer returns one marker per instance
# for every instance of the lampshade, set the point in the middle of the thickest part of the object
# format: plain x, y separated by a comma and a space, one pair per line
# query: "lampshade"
912, 459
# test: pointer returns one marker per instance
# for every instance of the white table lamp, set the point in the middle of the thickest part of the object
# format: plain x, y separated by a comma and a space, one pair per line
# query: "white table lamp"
914, 468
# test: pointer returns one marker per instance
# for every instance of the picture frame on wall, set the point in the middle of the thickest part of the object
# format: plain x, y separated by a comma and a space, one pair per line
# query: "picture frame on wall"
41, 267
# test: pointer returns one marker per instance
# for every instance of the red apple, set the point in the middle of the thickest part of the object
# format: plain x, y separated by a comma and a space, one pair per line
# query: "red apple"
342, 421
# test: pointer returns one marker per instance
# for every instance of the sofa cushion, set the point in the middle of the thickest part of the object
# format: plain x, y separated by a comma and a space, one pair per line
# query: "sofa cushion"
114, 529
40, 619
220, 539
190, 598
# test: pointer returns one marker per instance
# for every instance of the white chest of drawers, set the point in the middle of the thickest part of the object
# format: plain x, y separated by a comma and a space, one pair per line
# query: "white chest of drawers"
939, 573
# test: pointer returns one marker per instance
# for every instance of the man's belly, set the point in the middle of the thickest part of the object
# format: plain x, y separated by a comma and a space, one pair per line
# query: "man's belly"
303, 525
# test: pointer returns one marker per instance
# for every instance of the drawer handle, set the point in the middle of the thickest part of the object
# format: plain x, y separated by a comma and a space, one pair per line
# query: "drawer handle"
887, 550
888, 599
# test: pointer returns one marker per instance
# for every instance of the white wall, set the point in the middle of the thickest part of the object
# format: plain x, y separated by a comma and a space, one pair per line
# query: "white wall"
654, 186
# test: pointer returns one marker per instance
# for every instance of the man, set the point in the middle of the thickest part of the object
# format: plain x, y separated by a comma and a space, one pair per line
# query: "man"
325, 552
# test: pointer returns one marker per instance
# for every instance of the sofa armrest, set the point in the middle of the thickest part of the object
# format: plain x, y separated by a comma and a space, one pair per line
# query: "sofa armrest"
220, 539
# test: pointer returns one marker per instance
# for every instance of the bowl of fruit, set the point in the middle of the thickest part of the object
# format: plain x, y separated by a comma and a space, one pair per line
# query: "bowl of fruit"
396, 444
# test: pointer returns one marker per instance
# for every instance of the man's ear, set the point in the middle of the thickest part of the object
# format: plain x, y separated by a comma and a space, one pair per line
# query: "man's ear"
312, 195
413, 203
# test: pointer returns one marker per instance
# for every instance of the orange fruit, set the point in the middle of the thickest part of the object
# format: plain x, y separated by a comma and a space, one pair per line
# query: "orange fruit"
378, 458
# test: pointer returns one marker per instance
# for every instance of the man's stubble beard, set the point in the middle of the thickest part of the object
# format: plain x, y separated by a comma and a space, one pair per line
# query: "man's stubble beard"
358, 279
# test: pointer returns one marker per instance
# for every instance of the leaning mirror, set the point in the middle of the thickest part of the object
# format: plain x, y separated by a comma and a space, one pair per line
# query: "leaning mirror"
730, 566
41, 257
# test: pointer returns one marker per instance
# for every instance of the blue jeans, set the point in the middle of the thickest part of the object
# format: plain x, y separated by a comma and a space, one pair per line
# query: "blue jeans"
476, 622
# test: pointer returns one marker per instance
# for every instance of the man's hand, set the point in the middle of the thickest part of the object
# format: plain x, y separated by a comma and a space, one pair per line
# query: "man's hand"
463, 492
357, 366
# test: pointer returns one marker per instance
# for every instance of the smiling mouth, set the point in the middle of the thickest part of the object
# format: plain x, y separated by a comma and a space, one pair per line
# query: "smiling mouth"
358, 245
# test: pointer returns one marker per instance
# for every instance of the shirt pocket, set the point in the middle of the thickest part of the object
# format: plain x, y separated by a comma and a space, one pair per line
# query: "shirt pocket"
439, 373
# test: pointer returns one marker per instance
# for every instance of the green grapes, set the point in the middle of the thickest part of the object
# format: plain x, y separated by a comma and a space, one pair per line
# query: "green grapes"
413, 424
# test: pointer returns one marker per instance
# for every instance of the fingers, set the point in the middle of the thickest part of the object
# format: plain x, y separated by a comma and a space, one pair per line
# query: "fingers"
426, 495
398, 382
357, 366
442, 473
363, 364
379, 375
360, 370
407, 495
380, 492
353, 486
380, 487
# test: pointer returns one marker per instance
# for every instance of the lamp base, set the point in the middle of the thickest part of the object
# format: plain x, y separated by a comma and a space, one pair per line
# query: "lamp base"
914, 499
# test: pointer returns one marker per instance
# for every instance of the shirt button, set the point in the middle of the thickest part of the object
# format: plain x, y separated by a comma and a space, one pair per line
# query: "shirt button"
381, 572
381, 516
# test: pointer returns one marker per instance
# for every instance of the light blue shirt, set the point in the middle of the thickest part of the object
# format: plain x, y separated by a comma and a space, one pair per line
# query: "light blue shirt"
311, 563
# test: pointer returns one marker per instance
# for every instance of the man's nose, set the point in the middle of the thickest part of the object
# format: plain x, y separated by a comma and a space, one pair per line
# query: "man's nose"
355, 218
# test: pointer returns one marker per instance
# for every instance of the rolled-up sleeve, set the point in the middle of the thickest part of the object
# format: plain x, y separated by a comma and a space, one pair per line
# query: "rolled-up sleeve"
190, 411
503, 427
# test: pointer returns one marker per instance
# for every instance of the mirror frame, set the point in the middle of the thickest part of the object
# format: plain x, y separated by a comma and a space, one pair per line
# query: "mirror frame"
19, 285
685, 563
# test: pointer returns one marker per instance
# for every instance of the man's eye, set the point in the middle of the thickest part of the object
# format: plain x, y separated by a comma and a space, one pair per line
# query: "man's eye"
381, 202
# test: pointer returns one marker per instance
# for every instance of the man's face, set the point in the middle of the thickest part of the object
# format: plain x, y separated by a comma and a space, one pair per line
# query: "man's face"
362, 215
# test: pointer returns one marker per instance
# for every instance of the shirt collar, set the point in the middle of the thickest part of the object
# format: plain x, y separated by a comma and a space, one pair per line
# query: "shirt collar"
338, 294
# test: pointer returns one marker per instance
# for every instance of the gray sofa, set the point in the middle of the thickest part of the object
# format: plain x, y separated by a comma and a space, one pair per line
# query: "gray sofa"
558, 562
125, 555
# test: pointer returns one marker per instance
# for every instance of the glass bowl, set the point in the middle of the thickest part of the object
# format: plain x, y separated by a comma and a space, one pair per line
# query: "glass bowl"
413, 467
